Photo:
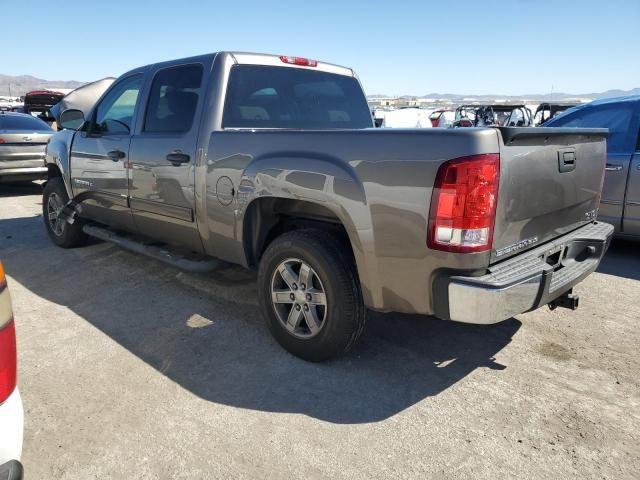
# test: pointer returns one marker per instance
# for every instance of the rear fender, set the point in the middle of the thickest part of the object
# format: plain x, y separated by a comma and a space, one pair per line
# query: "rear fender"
325, 181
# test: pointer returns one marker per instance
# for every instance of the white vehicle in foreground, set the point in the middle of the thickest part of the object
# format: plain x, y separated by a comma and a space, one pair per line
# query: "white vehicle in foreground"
11, 413
409, 117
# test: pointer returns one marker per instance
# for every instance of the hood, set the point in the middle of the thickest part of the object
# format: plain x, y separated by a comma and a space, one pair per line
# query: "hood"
82, 98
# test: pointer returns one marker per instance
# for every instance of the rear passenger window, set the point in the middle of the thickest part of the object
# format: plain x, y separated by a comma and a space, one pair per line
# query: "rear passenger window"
617, 118
173, 99
283, 97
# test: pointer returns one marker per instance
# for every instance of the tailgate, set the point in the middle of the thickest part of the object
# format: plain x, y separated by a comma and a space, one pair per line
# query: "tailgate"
550, 184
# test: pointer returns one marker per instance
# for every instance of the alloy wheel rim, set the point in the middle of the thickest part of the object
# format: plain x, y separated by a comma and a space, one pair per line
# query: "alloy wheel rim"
54, 207
299, 298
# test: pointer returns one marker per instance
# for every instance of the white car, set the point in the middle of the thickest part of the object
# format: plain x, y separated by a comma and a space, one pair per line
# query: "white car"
410, 117
11, 413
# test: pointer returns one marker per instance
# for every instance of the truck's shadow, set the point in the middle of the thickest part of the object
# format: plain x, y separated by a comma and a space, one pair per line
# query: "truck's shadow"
206, 333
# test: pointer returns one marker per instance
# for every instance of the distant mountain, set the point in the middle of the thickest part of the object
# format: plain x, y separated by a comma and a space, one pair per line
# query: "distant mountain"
616, 93
16, 86
21, 84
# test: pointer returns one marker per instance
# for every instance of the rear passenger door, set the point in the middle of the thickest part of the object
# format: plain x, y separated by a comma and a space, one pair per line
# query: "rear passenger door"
162, 156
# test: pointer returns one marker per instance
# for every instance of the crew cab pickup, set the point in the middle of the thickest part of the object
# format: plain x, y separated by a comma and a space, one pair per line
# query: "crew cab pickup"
272, 162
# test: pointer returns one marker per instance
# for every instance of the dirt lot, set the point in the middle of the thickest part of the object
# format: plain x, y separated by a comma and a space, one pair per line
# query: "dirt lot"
132, 369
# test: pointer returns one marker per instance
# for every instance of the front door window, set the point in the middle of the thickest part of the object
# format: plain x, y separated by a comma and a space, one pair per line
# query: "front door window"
114, 115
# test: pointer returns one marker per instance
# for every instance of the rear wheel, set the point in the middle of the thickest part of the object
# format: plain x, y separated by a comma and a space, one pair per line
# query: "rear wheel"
62, 233
310, 295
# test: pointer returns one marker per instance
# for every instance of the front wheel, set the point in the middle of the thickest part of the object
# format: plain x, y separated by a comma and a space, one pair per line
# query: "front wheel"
310, 295
63, 234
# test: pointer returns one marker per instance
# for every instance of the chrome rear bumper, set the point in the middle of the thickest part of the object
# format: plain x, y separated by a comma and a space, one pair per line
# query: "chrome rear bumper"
526, 281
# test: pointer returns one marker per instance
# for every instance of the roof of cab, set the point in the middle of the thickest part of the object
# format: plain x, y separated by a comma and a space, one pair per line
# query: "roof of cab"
248, 58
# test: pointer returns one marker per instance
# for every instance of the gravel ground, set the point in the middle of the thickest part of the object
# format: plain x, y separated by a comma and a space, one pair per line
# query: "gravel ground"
132, 369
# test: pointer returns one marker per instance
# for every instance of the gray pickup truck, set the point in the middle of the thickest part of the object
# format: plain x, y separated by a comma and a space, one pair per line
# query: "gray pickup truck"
273, 163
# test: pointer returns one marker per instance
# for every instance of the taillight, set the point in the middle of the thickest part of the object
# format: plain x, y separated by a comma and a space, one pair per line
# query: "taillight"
2, 140
305, 62
8, 367
463, 204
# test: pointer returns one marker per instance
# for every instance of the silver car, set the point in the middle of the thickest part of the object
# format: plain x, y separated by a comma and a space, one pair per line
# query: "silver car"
23, 140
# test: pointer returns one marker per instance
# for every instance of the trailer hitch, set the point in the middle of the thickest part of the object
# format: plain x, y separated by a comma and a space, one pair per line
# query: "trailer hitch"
567, 300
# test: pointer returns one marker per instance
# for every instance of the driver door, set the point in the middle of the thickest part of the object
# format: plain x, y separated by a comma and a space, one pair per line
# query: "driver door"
99, 155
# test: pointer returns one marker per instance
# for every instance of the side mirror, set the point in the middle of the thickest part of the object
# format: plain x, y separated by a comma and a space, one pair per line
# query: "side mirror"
71, 119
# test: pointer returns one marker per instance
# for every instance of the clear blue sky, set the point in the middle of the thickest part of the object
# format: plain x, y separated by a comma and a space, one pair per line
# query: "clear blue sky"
396, 47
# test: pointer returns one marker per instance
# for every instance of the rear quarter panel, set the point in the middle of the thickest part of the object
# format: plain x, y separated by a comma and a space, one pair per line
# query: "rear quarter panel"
377, 182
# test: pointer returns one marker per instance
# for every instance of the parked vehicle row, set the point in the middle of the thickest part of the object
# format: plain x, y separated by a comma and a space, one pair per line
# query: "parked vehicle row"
272, 163
10, 104
499, 115
547, 111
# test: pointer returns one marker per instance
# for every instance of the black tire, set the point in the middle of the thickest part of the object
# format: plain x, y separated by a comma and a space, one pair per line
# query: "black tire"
344, 314
67, 235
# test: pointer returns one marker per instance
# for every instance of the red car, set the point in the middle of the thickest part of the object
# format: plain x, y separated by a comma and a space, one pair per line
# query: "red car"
38, 103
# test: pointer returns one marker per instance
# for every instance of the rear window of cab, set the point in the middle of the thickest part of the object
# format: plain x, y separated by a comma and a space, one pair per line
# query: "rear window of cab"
293, 98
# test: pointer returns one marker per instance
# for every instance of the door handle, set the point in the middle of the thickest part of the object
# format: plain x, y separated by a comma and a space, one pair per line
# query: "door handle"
613, 167
116, 155
178, 159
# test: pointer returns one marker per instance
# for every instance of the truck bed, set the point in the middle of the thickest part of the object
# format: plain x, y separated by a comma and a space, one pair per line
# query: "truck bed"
378, 183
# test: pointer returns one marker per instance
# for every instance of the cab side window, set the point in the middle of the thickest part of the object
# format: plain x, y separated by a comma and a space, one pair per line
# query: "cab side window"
173, 100
115, 113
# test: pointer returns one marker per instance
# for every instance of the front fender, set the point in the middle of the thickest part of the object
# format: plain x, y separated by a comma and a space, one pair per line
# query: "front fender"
58, 154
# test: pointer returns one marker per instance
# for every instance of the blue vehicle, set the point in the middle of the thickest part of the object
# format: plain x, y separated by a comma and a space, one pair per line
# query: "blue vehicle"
620, 203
